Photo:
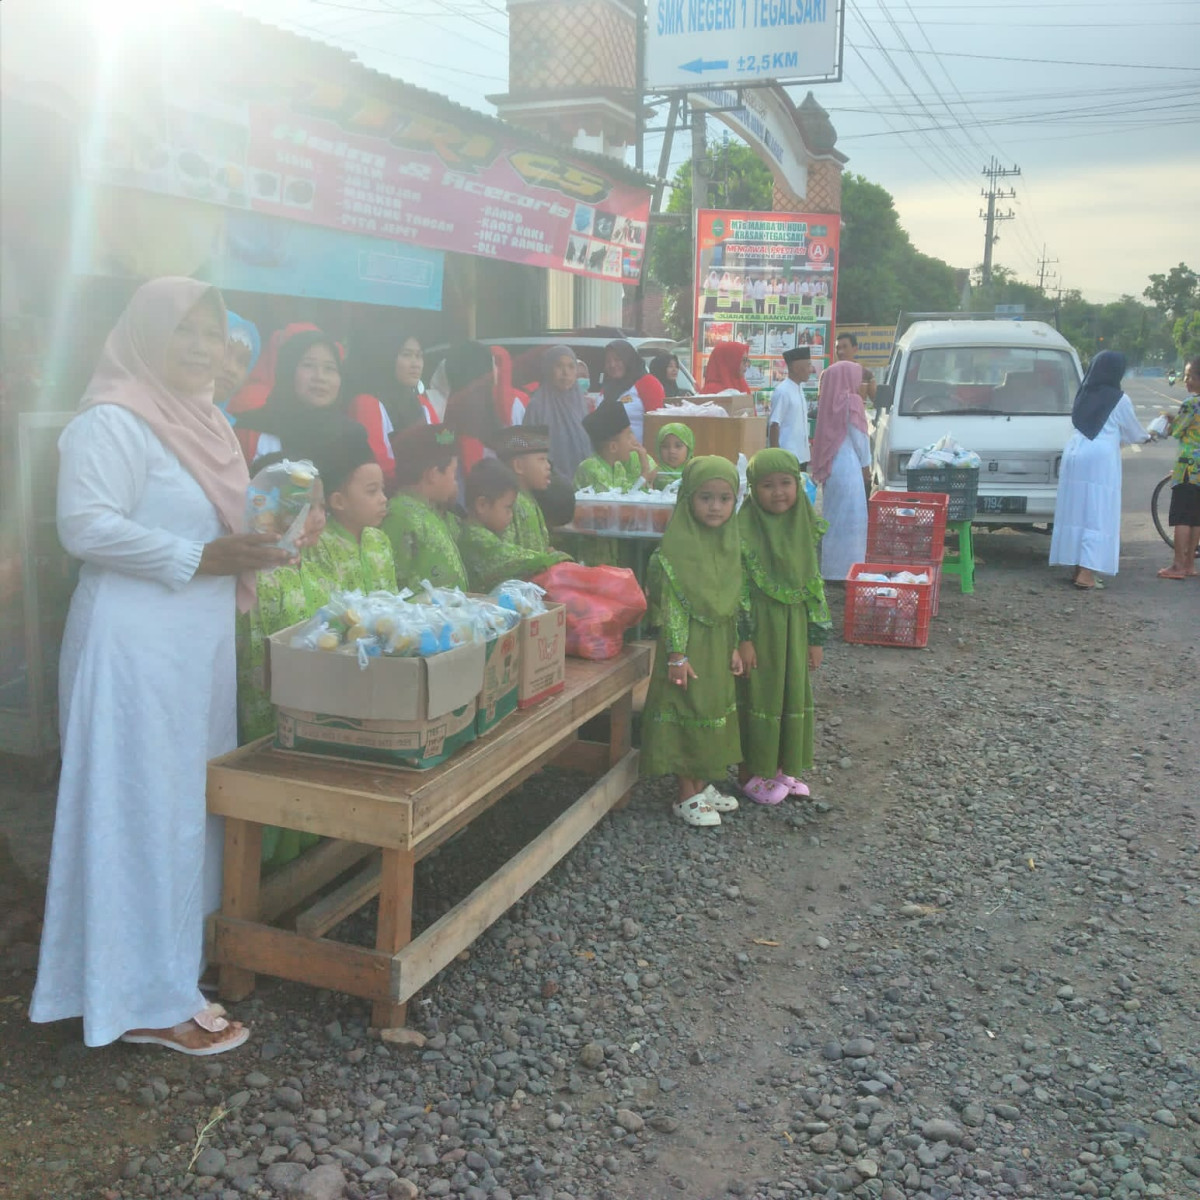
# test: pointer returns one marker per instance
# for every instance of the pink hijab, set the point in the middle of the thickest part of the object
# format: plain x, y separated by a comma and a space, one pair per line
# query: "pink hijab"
130, 375
839, 406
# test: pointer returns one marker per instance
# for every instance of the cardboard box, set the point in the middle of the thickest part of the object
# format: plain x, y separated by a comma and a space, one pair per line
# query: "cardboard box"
501, 679
407, 711
726, 436
543, 640
415, 744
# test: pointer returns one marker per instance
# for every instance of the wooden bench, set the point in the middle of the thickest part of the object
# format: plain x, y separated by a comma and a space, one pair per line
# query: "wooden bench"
384, 820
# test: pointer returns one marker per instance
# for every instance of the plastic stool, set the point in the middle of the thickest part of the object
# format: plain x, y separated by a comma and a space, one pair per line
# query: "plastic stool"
962, 561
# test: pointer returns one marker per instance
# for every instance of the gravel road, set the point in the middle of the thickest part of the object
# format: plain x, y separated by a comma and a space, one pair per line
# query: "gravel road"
966, 968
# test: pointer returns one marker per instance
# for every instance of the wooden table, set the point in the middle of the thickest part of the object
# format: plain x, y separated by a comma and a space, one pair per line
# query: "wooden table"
383, 820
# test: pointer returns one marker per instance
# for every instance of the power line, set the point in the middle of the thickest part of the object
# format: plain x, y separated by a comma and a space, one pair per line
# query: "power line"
1058, 62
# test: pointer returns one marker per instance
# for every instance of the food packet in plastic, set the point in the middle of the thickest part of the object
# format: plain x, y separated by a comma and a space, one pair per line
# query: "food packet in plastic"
521, 596
279, 500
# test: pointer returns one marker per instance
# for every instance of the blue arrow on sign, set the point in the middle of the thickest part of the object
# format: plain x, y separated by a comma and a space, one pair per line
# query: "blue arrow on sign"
699, 65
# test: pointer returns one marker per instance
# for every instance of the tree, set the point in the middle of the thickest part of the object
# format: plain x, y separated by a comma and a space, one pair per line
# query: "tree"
1176, 293
740, 179
882, 273
1187, 336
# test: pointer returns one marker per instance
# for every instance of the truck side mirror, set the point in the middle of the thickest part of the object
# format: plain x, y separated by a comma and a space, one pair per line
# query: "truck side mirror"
884, 397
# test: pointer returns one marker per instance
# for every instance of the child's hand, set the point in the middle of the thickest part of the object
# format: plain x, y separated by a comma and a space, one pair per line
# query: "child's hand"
815, 656
749, 656
680, 672
736, 665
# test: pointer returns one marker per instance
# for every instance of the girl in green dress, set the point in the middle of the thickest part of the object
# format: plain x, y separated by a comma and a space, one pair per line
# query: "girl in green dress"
689, 724
789, 621
418, 525
674, 445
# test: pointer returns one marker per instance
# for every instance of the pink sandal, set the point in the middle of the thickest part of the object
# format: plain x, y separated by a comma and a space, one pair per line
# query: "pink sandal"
765, 791
795, 787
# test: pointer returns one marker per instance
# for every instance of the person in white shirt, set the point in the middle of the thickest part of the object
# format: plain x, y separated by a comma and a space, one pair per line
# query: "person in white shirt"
788, 424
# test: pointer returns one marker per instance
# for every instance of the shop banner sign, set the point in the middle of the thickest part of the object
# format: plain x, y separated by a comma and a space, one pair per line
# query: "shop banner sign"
137, 235
768, 279
875, 344
325, 154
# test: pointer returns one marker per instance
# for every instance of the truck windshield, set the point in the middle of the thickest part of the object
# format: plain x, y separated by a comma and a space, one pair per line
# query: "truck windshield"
988, 380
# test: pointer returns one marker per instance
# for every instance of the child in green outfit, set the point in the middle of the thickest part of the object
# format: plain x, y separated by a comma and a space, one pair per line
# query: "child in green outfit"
620, 460
788, 620
689, 724
350, 554
674, 445
418, 523
493, 490
525, 449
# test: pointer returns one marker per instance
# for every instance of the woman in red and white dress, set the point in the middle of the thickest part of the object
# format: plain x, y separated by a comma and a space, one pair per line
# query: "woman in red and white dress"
627, 380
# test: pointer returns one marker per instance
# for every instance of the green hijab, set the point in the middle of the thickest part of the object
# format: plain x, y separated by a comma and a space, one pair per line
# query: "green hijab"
779, 549
687, 437
703, 565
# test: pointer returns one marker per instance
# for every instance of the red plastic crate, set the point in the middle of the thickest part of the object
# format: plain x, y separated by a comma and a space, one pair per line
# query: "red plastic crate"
935, 573
887, 614
906, 527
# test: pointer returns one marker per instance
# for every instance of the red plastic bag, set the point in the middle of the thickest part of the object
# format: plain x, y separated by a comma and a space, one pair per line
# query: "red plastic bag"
601, 603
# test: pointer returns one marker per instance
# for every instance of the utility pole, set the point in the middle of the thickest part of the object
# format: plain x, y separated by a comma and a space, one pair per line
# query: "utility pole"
700, 164
992, 172
1043, 273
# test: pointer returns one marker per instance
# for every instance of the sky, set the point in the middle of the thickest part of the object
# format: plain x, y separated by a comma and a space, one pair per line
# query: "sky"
1095, 101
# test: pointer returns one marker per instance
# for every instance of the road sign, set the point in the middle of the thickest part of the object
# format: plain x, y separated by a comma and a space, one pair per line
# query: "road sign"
706, 43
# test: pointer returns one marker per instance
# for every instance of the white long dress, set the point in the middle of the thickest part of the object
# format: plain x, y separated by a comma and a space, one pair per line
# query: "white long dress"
844, 506
148, 694
1087, 512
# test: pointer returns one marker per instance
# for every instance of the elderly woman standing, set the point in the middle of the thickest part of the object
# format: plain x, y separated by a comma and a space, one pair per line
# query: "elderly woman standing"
152, 491
560, 405
1087, 511
841, 463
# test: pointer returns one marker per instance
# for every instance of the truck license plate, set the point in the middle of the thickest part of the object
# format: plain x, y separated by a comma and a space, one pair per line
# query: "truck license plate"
1002, 504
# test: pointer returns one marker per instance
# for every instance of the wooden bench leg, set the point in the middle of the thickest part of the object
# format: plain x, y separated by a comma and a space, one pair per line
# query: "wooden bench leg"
394, 930
239, 894
620, 737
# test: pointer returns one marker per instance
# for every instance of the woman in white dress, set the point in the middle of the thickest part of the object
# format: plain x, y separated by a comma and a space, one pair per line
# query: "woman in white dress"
841, 463
152, 485
1087, 513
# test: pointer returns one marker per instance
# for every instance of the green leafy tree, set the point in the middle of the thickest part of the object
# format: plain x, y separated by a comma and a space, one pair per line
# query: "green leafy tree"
739, 179
1187, 336
1176, 293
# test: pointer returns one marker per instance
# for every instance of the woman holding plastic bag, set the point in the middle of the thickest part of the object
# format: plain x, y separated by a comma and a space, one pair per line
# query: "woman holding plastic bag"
152, 497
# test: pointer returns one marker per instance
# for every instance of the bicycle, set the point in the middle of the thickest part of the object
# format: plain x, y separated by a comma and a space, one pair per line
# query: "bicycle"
1160, 507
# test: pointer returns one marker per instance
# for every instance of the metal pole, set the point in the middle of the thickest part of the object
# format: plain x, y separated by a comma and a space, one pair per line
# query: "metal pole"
699, 159
639, 91
664, 157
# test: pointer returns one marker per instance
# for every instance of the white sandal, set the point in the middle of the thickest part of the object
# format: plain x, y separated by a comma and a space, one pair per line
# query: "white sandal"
696, 811
718, 801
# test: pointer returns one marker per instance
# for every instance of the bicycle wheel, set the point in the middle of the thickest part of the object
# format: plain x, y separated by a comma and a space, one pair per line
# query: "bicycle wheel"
1160, 506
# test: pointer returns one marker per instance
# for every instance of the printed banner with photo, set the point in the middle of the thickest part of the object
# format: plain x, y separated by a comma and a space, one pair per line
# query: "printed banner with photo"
767, 279
192, 119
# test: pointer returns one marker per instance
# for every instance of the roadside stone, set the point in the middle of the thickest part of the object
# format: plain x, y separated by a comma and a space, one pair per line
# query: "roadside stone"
210, 1161
592, 1055
321, 1183
940, 1130
630, 1121
859, 1048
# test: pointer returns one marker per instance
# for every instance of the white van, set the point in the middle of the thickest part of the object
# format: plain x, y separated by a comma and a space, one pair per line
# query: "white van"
1001, 388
